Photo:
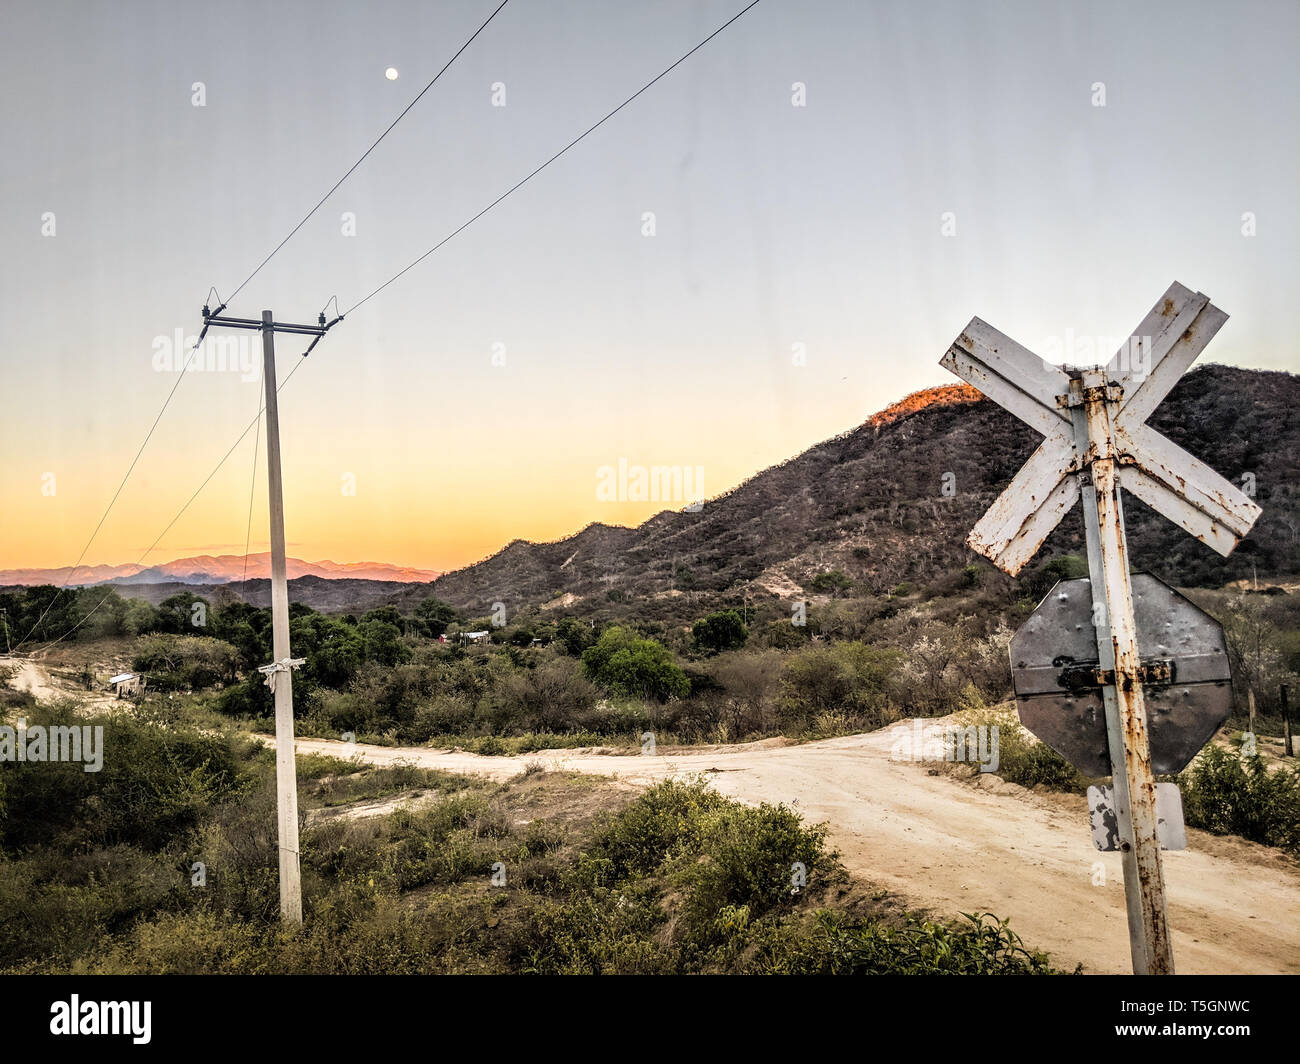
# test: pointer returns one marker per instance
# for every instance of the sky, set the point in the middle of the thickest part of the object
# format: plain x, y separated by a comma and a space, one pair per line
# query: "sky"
778, 239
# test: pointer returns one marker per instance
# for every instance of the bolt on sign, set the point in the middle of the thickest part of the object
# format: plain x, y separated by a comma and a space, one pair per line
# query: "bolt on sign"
1128, 679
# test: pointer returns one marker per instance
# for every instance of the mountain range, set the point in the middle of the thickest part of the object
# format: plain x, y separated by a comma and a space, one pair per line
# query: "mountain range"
218, 569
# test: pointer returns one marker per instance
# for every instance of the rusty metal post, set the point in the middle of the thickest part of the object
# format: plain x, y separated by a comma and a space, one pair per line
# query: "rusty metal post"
1092, 402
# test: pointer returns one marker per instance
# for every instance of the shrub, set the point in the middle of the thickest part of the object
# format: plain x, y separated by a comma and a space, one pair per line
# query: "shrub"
550, 697
831, 582
1023, 759
978, 945
849, 678
640, 668
723, 630
174, 662
750, 682
155, 784
1226, 793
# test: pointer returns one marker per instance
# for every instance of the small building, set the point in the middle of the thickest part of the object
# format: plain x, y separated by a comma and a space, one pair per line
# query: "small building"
126, 683
475, 637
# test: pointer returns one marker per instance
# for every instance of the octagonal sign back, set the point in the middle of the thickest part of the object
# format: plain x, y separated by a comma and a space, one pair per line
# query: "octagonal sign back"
1186, 678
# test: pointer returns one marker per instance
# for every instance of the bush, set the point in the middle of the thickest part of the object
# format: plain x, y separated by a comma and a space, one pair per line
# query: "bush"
1023, 759
849, 678
175, 662
1228, 794
980, 945
832, 582
639, 668
550, 697
719, 631
155, 783
750, 682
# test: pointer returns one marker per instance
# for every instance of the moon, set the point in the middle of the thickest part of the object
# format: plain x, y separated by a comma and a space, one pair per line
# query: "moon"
391, 73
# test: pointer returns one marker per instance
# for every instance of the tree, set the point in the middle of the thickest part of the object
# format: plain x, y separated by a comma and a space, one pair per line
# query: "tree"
574, 635
383, 642
386, 614
1044, 578
436, 615
750, 681
832, 582
334, 650
723, 630
140, 618
177, 615
629, 665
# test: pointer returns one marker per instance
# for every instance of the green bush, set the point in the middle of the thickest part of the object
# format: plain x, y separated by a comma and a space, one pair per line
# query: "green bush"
831, 582
1228, 794
173, 662
155, 783
723, 630
639, 668
1024, 760
978, 945
852, 679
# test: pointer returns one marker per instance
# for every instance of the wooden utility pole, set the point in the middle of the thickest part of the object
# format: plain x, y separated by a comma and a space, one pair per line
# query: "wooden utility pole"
1117, 653
279, 674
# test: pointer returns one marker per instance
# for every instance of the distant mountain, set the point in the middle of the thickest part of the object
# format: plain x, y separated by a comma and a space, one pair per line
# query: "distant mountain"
335, 595
871, 503
221, 569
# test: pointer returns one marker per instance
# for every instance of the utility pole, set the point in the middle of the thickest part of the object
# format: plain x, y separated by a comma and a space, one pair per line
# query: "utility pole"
1117, 653
279, 674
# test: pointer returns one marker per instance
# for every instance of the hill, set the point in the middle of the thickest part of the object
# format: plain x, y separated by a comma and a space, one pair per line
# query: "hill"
871, 503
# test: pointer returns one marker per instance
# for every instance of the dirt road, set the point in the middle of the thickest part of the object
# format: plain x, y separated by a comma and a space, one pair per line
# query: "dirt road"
34, 678
31, 677
951, 846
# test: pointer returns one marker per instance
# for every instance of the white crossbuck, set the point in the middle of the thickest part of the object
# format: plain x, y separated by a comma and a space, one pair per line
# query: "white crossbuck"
1157, 471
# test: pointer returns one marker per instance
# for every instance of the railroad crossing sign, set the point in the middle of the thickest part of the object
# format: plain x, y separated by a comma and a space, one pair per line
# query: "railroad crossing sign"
1157, 471
1185, 675
1095, 438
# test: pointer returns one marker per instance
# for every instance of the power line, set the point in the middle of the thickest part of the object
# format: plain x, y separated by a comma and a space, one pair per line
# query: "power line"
252, 481
189, 502
122, 484
236, 292
372, 147
525, 180
510, 191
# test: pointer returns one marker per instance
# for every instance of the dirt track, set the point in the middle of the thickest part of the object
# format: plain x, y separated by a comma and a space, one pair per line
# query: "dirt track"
32, 678
951, 846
